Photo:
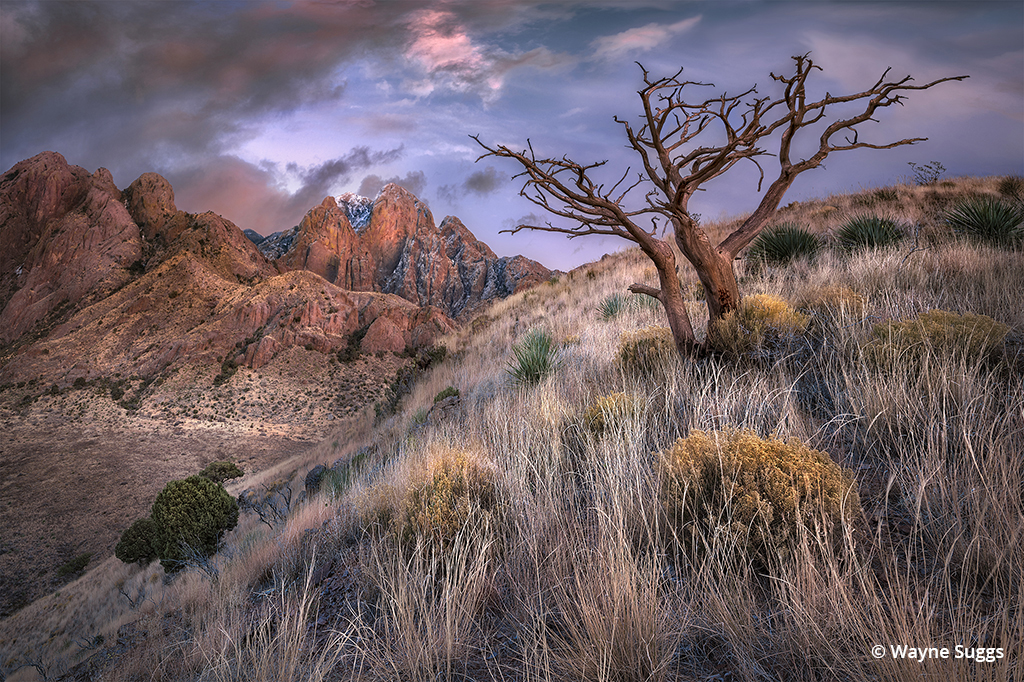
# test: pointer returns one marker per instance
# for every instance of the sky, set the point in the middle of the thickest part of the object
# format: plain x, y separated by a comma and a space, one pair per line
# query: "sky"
257, 110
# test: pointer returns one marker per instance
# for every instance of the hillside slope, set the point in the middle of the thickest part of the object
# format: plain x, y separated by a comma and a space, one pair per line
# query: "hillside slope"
529, 531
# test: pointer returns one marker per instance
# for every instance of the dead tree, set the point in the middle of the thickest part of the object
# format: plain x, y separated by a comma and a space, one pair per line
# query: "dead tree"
676, 164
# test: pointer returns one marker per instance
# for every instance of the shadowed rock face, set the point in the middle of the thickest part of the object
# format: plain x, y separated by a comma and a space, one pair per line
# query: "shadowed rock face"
94, 280
396, 248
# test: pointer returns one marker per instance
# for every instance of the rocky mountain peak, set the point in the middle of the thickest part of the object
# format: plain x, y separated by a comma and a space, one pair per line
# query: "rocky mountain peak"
150, 201
392, 245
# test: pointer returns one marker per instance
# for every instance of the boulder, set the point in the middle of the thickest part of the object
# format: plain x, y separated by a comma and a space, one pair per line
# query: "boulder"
314, 478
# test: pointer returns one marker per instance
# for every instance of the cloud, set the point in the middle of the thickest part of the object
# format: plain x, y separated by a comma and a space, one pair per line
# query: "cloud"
414, 181
528, 219
480, 183
254, 196
170, 79
641, 39
448, 59
483, 182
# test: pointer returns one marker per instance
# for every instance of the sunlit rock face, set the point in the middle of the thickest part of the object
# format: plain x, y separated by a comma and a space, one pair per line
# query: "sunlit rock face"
66, 235
392, 245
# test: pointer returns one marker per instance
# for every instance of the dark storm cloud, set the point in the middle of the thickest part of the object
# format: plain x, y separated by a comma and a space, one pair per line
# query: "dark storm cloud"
191, 75
480, 183
483, 182
324, 179
414, 181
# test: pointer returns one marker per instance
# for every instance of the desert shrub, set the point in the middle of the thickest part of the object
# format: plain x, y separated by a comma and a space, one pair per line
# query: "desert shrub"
886, 194
428, 356
761, 321
832, 301
927, 173
399, 387
868, 232
191, 515
782, 244
455, 488
218, 472
612, 306
940, 331
446, 393
609, 410
1012, 186
756, 492
645, 350
534, 358
352, 345
138, 543
76, 565
343, 474
987, 219
616, 304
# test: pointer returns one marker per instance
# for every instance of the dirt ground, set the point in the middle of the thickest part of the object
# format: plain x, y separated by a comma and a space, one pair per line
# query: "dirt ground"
76, 468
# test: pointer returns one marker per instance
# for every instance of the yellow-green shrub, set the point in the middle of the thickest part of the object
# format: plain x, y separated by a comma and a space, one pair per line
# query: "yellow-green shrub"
609, 410
643, 350
758, 320
833, 301
455, 487
943, 332
756, 491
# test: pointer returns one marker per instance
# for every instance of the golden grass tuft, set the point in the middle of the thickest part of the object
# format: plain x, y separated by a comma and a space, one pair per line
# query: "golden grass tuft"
939, 331
833, 301
644, 351
761, 493
435, 501
609, 410
759, 320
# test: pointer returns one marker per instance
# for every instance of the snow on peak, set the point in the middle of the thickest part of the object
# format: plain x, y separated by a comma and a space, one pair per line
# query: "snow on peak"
358, 209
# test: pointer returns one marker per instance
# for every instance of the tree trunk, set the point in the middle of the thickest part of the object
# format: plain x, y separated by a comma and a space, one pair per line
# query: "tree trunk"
713, 267
720, 289
675, 308
670, 295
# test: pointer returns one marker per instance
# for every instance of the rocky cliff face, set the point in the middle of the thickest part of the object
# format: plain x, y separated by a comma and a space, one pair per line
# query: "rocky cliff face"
95, 281
65, 235
392, 245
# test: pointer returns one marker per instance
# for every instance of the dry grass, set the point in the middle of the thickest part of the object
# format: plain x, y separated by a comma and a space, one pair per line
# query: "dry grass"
579, 576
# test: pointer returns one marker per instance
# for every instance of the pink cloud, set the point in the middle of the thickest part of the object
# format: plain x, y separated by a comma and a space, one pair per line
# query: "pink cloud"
640, 39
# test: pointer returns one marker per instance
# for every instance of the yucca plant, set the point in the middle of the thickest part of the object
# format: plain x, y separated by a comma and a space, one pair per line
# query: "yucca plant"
612, 306
616, 304
534, 358
783, 243
988, 219
1012, 186
868, 232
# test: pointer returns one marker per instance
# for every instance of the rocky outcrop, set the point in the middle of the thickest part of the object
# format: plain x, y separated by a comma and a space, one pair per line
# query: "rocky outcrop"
393, 246
150, 201
65, 235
